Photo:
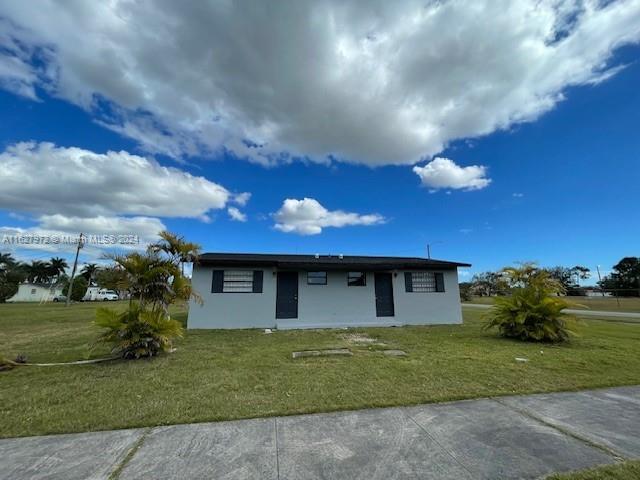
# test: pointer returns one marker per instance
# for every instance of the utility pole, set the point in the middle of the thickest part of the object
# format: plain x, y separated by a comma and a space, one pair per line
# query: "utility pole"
600, 279
429, 251
73, 271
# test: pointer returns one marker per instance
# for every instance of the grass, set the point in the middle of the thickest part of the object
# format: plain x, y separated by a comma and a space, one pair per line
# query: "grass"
220, 375
622, 471
607, 304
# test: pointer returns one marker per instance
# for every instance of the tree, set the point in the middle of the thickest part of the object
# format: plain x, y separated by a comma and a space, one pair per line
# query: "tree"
176, 248
625, 278
112, 278
11, 275
581, 273
79, 288
155, 280
89, 271
533, 312
38, 272
57, 267
465, 291
489, 284
564, 275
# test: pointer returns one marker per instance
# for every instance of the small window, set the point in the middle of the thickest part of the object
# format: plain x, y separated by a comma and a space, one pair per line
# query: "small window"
424, 282
238, 281
33, 291
356, 279
316, 278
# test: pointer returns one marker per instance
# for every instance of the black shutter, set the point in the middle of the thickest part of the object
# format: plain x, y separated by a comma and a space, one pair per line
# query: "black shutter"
408, 282
257, 281
439, 282
217, 281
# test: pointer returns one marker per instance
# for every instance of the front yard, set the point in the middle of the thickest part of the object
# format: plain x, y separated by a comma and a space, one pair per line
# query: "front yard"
219, 375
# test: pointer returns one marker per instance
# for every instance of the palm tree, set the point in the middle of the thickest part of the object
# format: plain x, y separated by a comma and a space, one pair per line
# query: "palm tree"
38, 272
177, 248
7, 260
89, 271
57, 267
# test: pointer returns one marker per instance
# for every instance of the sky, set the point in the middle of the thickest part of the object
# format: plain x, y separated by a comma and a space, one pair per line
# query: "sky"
495, 132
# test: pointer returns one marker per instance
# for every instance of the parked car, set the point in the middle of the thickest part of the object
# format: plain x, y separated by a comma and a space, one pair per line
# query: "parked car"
107, 296
60, 298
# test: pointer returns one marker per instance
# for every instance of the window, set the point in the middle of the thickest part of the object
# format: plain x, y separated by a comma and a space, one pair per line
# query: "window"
424, 282
356, 279
33, 291
237, 281
316, 278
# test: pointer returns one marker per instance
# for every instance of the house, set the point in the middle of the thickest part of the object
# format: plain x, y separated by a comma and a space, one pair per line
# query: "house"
322, 291
35, 292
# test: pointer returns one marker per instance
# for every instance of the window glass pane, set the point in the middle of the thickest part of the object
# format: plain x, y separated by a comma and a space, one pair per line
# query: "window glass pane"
316, 278
356, 279
238, 281
423, 281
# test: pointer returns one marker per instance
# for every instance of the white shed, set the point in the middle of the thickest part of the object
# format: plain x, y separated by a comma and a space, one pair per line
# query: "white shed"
32, 292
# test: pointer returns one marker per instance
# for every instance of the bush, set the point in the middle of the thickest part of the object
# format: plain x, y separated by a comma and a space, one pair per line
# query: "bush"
465, 292
136, 332
80, 286
533, 312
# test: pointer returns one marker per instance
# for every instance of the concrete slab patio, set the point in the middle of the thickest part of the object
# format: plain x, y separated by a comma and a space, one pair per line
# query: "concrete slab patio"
508, 437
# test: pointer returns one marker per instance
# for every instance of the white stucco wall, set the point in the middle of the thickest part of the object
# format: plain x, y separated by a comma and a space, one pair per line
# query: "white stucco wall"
26, 293
322, 306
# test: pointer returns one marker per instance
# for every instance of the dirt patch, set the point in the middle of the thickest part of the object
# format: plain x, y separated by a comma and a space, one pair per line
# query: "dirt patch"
360, 339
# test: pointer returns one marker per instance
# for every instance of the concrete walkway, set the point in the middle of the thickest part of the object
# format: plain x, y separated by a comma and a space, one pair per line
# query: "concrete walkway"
579, 312
507, 437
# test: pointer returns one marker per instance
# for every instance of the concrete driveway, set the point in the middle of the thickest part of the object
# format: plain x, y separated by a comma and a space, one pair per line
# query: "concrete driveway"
507, 437
578, 312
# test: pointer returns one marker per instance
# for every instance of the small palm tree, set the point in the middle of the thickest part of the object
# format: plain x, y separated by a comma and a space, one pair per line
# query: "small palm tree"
533, 311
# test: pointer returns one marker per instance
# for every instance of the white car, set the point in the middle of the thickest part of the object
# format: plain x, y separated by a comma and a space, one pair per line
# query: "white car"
107, 295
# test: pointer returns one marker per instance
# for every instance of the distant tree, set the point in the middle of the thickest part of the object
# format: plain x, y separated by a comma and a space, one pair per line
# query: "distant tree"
112, 278
466, 291
563, 275
581, 273
625, 278
11, 275
38, 272
57, 267
89, 271
79, 288
488, 284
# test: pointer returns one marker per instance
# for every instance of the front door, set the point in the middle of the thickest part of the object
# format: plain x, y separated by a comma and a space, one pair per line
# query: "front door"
287, 295
384, 295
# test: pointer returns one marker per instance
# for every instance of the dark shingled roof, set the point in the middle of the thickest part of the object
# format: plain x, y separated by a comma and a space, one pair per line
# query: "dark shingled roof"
325, 262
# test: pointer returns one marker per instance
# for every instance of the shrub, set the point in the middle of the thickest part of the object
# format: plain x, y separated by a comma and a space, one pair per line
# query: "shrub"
78, 290
533, 312
136, 332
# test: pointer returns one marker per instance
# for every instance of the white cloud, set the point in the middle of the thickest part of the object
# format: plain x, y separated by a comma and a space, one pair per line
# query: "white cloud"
444, 173
388, 83
309, 217
57, 234
44, 179
518, 195
236, 214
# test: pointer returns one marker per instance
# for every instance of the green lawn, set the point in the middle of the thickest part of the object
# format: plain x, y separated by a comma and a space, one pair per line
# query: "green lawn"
216, 375
621, 471
608, 304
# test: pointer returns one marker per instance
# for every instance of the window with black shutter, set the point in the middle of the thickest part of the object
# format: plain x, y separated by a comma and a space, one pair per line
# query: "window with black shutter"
424, 282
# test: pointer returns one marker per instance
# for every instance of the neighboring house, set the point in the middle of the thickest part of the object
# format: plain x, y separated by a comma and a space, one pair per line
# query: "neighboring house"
32, 292
322, 291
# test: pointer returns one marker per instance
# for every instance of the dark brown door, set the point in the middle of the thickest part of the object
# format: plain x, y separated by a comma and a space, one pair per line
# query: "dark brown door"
384, 295
287, 295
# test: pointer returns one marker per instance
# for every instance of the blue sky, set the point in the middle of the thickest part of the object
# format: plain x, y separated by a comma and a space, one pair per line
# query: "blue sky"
560, 188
